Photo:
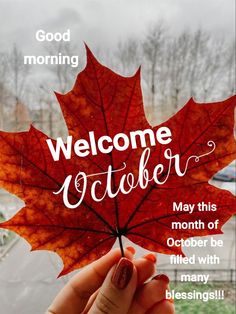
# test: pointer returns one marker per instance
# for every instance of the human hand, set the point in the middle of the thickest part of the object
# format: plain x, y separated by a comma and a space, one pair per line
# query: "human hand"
115, 285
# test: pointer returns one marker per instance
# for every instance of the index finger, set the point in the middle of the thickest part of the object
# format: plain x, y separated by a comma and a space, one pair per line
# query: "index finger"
76, 293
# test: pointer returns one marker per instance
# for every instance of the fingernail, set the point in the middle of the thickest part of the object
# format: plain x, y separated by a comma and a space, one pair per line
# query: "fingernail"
162, 277
122, 273
131, 249
151, 257
169, 300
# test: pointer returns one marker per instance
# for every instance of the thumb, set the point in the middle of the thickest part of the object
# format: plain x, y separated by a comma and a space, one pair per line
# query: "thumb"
117, 291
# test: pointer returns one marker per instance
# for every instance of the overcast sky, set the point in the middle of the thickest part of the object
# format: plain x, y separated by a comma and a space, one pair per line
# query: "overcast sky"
104, 22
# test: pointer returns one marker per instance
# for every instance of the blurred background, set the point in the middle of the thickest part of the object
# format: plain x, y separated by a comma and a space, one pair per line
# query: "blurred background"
186, 48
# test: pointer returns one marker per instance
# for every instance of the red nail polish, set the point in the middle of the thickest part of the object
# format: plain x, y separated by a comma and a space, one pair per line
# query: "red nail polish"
122, 273
131, 249
151, 257
169, 300
162, 277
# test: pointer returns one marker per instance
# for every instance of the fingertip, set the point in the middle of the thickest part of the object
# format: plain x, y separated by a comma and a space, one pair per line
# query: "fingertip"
131, 249
117, 291
116, 254
122, 273
145, 269
129, 253
162, 277
150, 257
170, 300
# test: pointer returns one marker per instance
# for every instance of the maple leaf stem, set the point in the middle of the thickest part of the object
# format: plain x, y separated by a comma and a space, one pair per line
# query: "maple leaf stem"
121, 245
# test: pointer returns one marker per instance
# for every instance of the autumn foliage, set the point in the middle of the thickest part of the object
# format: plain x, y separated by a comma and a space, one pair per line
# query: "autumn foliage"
107, 103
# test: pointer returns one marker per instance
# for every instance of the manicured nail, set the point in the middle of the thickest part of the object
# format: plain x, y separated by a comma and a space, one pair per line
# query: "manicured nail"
162, 277
151, 257
122, 273
131, 249
169, 300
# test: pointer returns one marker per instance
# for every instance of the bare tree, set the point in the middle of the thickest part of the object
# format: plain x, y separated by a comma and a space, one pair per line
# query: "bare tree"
18, 73
63, 73
207, 61
128, 55
179, 68
229, 67
153, 46
175, 68
4, 94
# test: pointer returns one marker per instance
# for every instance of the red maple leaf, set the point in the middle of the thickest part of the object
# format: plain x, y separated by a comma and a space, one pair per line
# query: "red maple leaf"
107, 103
